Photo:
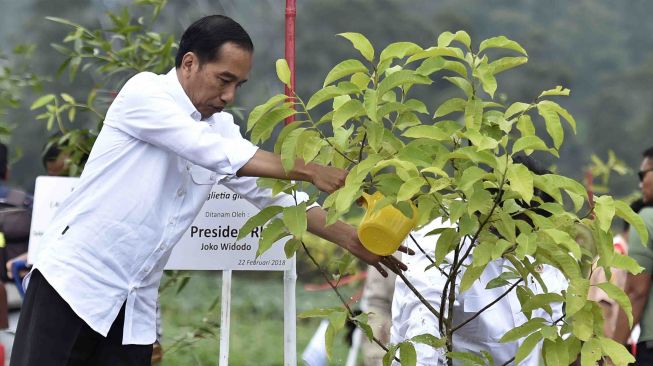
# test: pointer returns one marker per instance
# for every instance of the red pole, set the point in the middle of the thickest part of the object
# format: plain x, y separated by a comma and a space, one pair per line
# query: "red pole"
291, 12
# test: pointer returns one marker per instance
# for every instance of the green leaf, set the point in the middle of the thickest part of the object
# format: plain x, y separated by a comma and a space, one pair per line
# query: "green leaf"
258, 220
283, 71
624, 211
274, 231
470, 176
474, 114
561, 111
541, 301
627, 263
256, 113
521, 181
555, 352
289, 147
287, 129
390, 355
450, 106
515, 108
583, 324
620, 297
447, 240
485, 73
295, 219
429, 340
462, 83
501, 42
360, 43
576, 295
552, 122
266, 124
604, 208
470, 276
446, 38
291, 247
590, 353
528, 143
432, 132
525, 125
402, 77
410, 188
559, 90
68, 98
399, 50
42, 101
527, 347
345, 68
407, 354
523, 330
350, 109
434, 52
617, 353
330, 92
506, 63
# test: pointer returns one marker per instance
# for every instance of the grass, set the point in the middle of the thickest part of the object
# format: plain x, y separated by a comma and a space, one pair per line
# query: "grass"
191, 325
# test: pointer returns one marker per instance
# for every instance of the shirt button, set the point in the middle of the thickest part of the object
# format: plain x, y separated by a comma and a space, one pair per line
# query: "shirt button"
213, 176
147, 269
180, 192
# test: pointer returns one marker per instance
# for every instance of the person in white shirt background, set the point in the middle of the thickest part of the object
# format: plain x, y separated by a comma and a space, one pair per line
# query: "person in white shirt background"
165, 141
411, 318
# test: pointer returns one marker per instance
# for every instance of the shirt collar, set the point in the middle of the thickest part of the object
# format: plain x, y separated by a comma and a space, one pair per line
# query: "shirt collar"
180, 95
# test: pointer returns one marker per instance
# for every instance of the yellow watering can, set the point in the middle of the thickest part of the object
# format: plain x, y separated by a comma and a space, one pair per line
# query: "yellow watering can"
382, 231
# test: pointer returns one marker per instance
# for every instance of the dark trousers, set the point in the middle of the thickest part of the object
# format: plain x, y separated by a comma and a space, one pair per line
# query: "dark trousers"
49, 333
644, 353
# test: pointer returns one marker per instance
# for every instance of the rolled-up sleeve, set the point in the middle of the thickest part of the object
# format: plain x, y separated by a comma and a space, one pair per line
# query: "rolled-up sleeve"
146, 110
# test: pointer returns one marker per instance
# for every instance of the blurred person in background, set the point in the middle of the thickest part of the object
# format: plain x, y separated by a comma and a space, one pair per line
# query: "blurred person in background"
638, 287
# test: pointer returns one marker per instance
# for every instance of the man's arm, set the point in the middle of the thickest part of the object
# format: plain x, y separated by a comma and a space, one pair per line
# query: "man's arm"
345, 236
267, 164
637, 289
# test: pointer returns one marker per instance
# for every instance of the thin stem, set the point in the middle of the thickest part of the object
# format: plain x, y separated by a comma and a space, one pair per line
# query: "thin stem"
418, 294
342, 299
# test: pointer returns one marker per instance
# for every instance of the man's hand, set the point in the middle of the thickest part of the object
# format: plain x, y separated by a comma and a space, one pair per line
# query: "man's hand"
345, 235
326, 178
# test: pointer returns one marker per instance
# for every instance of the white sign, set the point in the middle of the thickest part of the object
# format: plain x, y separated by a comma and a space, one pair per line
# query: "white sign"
208, 244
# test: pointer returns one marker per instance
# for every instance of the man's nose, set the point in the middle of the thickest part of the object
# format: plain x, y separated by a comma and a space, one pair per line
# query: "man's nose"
228, 94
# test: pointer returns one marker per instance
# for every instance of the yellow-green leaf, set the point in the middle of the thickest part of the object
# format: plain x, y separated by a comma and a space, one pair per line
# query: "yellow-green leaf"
521, 181
625, 212
501, 42
361, 43
258, 220
283, 71
604, 208
347, 67
295, 219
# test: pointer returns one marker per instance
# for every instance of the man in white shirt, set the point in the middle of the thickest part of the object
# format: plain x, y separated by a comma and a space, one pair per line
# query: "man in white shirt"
165, 141
410, 317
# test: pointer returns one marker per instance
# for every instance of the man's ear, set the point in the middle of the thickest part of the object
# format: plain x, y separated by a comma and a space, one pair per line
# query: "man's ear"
188, 63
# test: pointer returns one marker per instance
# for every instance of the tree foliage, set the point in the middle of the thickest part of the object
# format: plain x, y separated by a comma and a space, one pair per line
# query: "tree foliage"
454, 160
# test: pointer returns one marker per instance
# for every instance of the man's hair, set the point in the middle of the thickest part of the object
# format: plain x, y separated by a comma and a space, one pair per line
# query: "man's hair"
648, 153
4, 161
50, 153
205, 37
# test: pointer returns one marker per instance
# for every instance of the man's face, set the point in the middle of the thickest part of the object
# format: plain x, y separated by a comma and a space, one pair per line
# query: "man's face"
646, 184
213, 84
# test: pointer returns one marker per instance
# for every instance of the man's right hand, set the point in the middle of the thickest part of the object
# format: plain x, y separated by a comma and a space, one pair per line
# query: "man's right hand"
327, 178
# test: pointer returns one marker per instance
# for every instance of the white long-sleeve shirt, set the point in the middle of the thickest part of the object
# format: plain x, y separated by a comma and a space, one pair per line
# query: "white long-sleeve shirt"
148, 175
411, 318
